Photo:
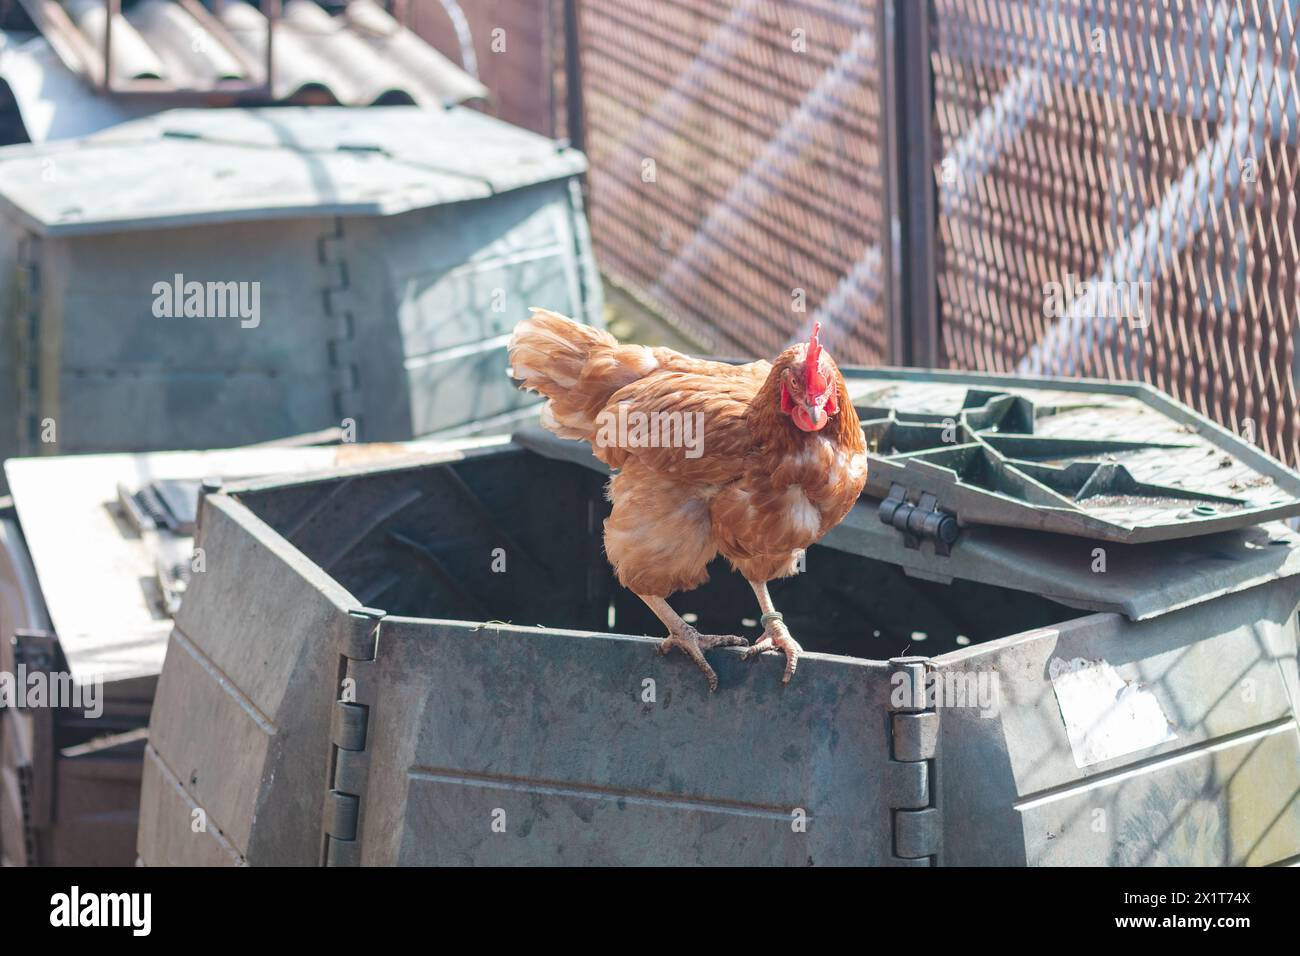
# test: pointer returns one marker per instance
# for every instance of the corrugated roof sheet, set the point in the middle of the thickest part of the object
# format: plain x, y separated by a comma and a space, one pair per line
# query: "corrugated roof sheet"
53, 102
184, 167
359, 57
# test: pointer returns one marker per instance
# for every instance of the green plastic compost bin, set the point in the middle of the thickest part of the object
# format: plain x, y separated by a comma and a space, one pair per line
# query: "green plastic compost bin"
1059, 628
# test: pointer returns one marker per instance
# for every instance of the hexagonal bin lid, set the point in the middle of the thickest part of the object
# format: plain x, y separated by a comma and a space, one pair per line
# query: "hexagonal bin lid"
1113, 461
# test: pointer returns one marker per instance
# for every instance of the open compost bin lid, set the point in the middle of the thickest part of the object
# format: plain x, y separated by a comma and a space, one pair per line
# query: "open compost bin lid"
1108, 461
1024, 528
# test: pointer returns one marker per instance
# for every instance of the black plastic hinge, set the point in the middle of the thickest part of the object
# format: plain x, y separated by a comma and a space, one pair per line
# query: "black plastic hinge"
916, 832
37, 650
923, 521
360, 634
339, 308
26, 830
28, 331
342, 823
349, 732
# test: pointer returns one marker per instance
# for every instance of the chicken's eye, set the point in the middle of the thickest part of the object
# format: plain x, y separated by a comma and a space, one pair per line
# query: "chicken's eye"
790, 385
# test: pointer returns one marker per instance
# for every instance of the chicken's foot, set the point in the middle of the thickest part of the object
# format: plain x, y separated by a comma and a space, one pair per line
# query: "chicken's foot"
776, 636
690, 641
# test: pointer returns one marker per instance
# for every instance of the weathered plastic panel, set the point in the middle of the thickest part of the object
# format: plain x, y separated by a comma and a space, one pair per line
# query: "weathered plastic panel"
21, 604
515, 746
461, 282
128, 380
242, 710
404, 329
1224, 792
97, 807
15, 770
165, 805
21, 608
241, 727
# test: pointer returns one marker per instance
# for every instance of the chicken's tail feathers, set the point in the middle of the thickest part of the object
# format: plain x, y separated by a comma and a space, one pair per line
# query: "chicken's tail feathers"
548, 351
576, 366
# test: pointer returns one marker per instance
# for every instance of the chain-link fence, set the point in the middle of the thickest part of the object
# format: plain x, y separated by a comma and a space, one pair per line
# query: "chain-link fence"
739, 169
1116, 185
1077, 187
736, 178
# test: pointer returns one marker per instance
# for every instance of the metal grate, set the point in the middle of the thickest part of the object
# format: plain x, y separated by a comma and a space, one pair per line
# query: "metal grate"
1147, 149
737, 180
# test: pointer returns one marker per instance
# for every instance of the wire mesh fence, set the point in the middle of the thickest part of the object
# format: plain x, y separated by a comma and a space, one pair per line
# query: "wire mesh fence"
1110, 184
1116, 187
736, 179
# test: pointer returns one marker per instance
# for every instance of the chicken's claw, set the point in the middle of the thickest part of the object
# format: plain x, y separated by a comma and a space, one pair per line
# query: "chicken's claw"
693, 644
776, 638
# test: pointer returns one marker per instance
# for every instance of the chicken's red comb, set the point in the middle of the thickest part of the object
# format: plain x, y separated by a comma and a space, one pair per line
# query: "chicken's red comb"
813, 376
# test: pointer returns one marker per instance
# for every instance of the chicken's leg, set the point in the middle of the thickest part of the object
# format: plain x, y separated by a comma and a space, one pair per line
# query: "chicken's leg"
692, 643
776, 637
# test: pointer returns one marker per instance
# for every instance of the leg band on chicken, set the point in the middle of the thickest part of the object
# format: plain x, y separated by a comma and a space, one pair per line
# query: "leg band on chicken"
776, 637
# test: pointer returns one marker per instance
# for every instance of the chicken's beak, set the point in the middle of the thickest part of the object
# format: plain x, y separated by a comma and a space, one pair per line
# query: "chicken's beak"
809, 417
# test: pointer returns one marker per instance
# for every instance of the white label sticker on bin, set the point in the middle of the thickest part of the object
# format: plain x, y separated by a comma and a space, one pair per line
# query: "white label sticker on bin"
1105, 716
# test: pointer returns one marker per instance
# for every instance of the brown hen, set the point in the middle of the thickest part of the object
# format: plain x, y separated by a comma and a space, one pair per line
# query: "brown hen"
754, 462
